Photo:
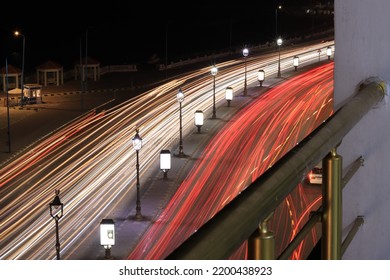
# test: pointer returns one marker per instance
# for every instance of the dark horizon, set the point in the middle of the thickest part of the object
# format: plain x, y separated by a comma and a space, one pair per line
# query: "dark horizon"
122, 33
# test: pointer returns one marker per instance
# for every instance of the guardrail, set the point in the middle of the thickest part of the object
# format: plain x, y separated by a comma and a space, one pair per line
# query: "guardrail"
249, 212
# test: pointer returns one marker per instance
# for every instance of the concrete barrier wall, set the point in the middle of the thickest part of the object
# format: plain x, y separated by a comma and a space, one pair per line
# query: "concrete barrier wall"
362, 52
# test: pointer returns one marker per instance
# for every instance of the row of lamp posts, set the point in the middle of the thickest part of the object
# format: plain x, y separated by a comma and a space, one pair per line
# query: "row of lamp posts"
107, 226
17, 34
165, 155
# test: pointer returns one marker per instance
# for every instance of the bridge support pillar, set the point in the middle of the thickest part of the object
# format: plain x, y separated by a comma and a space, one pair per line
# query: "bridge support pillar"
332, 206
261, 244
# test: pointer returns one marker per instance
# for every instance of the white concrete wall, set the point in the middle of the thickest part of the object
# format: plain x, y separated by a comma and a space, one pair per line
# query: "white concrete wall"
362, 49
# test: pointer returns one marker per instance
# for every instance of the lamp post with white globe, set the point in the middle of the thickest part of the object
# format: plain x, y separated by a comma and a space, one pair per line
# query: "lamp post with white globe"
245, 53
279, 42
137, 145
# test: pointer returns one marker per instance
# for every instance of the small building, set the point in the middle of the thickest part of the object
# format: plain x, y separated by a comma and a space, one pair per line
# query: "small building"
14, 77
87, 69
50, 73
32, 94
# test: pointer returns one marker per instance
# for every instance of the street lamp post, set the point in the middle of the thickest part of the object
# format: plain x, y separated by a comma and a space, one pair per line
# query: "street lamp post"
7, 97
81, 74
279, 42
137, 145
86, 61
56, 212
279, 7
245, 53
180, 99
166, 50
214, 72
17, 33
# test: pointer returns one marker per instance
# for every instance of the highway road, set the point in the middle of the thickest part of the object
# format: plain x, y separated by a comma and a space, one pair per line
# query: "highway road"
252, 142
91, 160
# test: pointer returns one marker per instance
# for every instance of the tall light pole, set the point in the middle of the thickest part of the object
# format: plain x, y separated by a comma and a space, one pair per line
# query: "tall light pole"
17, 33
7, 96
81, 73
86, 60
277, 8
245, 53
137, 145
166, 50
279, 42
56, 212
230, 34
214, 72
180, 99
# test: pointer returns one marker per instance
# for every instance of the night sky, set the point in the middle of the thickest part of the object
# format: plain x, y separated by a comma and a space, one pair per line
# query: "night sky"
122, 32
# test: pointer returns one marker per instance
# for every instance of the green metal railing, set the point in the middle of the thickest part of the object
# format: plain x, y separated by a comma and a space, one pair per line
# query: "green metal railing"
246, 216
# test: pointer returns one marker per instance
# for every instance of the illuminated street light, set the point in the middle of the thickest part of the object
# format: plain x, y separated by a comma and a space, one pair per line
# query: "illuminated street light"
180, 99
261, 77
198, 119
329, 52
17, 33
165, 162
137, 145
296, 62
107, 236
245, 53
277, 8
56, 212
214, 72
229, 95
279, 42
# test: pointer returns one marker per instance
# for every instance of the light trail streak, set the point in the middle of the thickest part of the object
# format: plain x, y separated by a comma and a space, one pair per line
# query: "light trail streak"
238, 150
92, 162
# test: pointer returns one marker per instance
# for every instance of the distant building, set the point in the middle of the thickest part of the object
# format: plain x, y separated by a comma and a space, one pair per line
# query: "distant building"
14, 77
32, 94
87, 69
50, 73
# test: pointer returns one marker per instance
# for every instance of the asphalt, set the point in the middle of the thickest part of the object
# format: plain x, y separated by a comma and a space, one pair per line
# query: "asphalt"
61, 104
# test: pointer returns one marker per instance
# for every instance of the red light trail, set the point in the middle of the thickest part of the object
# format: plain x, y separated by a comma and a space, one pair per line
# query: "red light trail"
252, 142
91, 160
